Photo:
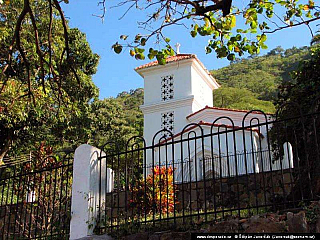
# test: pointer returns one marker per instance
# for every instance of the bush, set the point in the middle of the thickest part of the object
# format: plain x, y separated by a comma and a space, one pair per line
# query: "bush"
155, 193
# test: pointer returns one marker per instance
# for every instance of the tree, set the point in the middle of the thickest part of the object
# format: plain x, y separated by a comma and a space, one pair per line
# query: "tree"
301, 98
263, 74
276, 51
235, 98
29, 31
37, 98
117, 119
305, 86
217, 19
315, 39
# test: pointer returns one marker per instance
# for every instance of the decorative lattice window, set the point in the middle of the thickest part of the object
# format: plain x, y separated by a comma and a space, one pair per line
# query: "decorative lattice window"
167, 87
167, 122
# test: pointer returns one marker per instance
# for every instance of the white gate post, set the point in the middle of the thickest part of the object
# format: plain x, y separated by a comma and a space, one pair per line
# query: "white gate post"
85, 189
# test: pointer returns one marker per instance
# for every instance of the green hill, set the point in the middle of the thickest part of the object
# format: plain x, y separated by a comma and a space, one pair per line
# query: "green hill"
252, 83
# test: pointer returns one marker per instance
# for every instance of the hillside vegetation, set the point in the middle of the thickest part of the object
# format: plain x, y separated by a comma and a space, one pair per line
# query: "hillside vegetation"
252, 83
246, 84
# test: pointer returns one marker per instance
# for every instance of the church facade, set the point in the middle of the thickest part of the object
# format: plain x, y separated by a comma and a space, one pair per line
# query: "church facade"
185, 131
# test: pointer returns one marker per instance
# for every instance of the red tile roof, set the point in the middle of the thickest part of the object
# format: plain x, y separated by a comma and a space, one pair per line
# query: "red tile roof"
170, 59
175, 58
224, 109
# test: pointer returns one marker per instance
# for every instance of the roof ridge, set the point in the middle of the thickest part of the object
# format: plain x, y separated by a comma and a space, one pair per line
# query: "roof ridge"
169, 59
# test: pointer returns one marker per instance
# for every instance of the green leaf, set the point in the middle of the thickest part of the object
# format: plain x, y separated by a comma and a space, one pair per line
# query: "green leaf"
233, 21
150, 56
263, 38
231, 57
263, 46
253, 25
124, 37
208, 50
161, 59
143, 41
117, 48
139, 56
193, 33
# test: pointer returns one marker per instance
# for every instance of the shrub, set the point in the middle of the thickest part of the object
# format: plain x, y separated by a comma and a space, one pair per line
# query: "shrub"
155, 193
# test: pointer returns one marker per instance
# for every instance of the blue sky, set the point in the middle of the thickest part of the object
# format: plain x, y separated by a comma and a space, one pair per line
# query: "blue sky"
116, 72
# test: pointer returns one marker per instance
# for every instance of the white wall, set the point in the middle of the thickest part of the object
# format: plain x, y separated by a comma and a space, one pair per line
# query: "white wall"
192, 91
182, 83
200, 88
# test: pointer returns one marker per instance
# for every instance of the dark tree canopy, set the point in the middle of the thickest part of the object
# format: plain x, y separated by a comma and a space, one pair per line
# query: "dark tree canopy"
298, 98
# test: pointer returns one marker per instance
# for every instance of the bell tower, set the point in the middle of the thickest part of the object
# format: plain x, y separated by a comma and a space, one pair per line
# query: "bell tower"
173, 91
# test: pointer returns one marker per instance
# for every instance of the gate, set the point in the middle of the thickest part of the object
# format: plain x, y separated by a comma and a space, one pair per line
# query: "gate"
35, 198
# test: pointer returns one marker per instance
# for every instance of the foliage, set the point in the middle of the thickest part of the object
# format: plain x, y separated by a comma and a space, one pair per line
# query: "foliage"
240, 98
37, 102
262, 75
253, 83
301, 96
156, 193
113, 120
312, 212
35, 46
315, 39
305, 86
232, 30
41, 191
35, 38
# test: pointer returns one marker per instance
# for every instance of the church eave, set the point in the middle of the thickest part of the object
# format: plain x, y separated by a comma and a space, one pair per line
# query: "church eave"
155, 107
224, 109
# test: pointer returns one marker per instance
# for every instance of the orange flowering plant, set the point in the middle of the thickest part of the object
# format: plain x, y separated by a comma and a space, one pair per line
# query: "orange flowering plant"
156, 192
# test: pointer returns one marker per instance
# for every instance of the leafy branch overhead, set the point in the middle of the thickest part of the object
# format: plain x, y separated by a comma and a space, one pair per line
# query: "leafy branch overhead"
217, 19
48, 62
45, 72
38, 63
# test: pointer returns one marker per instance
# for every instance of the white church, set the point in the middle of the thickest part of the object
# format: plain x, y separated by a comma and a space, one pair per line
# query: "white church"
178, 94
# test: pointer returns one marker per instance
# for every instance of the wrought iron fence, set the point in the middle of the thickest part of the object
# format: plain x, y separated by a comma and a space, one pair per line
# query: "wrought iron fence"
35, 198
210, 171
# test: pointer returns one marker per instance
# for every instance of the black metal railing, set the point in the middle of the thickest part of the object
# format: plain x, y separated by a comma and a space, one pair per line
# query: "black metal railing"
209, 171
35, 198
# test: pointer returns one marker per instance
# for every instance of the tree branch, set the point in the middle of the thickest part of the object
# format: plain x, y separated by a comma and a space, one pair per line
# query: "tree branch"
293, 25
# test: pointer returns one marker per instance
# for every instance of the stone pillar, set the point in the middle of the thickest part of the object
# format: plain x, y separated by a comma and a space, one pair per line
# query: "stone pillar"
87, 178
